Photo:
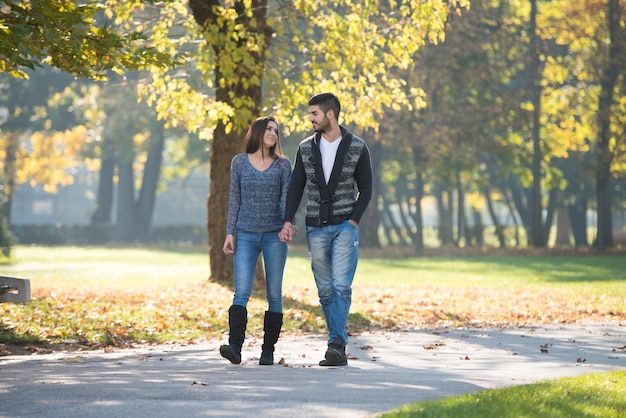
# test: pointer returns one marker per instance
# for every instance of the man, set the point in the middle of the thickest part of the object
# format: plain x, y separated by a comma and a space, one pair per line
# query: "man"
334, 166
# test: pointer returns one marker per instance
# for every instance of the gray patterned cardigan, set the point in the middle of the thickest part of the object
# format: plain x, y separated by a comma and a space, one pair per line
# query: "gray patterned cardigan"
348, 191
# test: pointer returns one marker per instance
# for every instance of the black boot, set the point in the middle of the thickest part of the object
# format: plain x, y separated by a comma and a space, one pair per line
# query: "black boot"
336, 354
237, 320
272, 323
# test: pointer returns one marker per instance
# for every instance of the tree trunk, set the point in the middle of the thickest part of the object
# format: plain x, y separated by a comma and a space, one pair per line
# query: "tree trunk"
225, 147
553, 201
478, 230
578, 219
404, 206
368, 227
494, 219
444, 209
418, 237
104, 199
614, 68
393, 226
563, 227
149, 183
245, 97
10, 168
510, 204
519, 200
460, 212
124, 226
537, 235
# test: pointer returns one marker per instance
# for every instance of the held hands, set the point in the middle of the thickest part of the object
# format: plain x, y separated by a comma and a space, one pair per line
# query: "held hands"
287, 233
229, 244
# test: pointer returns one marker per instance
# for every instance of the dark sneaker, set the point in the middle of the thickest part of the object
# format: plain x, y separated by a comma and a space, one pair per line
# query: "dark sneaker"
335, 355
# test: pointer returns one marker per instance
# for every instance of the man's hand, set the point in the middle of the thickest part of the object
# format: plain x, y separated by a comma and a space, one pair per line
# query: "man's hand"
287, 233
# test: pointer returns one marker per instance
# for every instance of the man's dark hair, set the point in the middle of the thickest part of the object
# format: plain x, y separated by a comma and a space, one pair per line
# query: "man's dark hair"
326, 101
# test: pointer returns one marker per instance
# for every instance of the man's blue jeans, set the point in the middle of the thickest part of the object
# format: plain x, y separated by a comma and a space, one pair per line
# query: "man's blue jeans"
334, 255
248, 245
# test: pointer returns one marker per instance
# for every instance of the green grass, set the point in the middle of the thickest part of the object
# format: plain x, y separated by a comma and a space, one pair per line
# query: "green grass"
123, 267
64, 268
98, 296
590, 395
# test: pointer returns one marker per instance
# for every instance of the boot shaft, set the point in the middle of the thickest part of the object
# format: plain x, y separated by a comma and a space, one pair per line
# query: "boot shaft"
272, 323
237, 321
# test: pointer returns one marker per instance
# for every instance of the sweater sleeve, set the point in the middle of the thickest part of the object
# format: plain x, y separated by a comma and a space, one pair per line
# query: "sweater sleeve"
234, 200
363, 177
296, 189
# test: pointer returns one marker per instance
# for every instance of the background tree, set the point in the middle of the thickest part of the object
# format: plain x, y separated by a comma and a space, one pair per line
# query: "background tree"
611, 138
31, 150
73, 37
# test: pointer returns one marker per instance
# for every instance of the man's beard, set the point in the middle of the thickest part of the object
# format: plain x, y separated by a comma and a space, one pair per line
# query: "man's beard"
323, 127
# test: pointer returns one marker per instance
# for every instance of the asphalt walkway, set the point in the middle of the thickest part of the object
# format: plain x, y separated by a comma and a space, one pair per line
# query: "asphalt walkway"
385, 370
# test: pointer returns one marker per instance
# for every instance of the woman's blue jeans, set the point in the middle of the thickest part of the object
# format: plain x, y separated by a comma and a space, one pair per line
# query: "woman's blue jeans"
248, 246
334, 255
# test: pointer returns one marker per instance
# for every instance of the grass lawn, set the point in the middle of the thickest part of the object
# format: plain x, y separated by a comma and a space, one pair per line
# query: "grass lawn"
95, 296
590, 395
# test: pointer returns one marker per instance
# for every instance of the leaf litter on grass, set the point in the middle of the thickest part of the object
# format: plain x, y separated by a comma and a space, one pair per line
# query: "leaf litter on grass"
149, 313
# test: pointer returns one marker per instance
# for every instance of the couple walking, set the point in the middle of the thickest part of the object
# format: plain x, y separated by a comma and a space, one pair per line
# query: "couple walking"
334, 168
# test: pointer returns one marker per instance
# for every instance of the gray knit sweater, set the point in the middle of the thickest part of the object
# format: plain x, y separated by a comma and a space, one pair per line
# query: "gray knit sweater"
257, 199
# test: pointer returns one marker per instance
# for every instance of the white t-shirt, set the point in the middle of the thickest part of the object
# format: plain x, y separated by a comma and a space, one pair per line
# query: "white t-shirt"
329, 152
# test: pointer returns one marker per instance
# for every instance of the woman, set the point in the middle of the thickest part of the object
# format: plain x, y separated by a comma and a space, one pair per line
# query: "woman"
259, 179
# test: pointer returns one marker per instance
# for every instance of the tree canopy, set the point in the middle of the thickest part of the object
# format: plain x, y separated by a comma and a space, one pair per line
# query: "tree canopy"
76, 37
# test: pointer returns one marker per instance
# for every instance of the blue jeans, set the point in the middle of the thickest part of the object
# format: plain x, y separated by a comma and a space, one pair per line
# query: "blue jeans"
334, 255
248, 246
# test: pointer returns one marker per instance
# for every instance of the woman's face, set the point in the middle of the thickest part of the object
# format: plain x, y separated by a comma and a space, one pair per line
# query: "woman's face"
270, 138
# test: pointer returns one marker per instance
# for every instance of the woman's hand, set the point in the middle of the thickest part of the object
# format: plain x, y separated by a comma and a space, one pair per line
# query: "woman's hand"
229, 244
287, 233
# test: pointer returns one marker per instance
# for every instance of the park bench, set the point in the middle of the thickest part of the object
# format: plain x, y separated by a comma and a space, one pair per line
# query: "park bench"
13, 289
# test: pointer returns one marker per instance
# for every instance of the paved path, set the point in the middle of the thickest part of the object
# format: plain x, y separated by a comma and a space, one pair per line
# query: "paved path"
385, 370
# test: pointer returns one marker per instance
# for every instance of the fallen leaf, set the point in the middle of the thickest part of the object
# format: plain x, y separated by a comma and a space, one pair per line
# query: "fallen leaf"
433, 346
77, 359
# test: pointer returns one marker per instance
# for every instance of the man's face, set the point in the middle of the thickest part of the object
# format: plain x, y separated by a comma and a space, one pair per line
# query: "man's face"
318, 119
